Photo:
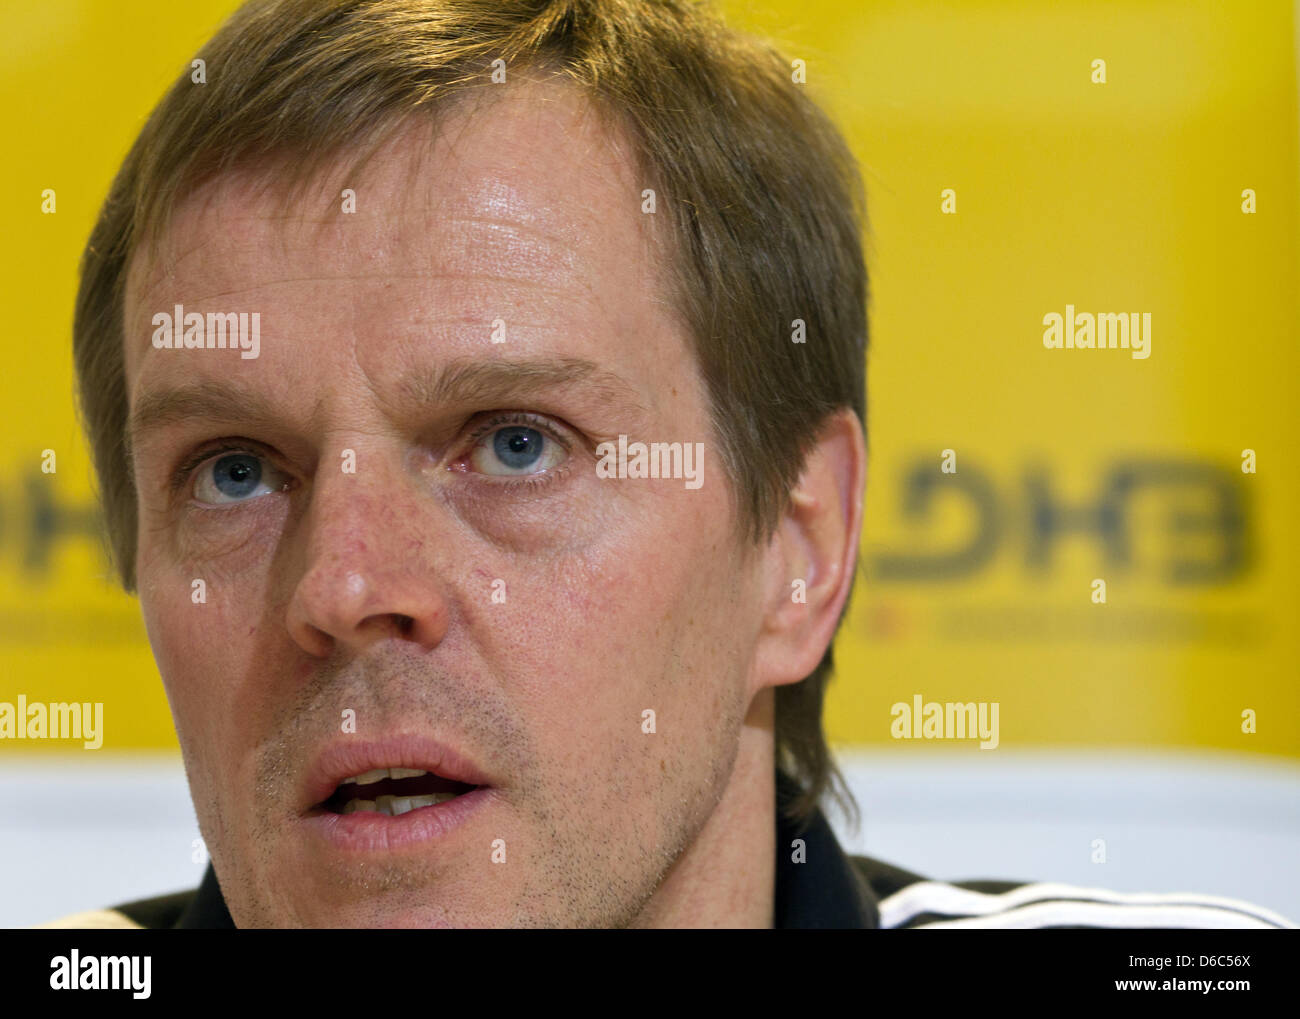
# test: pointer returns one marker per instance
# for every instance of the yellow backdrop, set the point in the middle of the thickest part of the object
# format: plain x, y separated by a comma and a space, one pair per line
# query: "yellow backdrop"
1006, 180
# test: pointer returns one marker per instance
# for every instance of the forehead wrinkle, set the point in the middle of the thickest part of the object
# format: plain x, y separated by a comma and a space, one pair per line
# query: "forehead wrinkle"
511, 246
217, 210
540, 241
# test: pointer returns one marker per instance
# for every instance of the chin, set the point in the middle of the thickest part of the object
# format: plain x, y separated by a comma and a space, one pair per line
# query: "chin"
398, 919
406, 908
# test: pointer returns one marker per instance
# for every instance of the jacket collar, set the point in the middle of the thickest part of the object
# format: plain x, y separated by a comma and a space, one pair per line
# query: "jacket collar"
207, 910
820, 890
817, 885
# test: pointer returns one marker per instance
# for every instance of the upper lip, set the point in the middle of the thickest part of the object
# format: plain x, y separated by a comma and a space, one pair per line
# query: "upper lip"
348, 757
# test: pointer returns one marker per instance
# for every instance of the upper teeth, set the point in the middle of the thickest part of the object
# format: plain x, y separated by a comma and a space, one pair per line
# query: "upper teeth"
379, 774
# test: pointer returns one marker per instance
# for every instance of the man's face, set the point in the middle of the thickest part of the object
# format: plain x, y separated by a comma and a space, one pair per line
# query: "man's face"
400, 530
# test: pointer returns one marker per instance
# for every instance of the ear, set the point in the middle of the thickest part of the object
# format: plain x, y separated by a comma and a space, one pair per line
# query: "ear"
811, 558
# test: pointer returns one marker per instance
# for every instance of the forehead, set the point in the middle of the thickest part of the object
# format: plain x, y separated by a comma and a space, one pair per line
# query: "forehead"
523, 204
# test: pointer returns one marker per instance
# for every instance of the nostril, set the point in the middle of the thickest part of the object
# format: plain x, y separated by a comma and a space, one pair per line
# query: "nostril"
405, 624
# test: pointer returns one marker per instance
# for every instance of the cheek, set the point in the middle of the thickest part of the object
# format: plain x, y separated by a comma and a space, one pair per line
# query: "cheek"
644, 619
201, 641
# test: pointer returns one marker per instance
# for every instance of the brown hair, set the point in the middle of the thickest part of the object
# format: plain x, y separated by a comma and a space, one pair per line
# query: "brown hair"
764, 199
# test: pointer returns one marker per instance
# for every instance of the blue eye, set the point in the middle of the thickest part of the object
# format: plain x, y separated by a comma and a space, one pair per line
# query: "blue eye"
517, 447
234, 477
516, 450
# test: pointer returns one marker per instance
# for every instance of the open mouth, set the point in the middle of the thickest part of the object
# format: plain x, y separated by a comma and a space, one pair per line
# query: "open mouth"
393, 792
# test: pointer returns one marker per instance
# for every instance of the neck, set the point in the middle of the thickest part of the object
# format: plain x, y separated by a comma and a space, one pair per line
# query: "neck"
726, 877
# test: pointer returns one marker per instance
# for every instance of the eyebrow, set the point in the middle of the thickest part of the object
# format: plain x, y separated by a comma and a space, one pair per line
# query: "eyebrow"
456, 383
462, 381
208, 399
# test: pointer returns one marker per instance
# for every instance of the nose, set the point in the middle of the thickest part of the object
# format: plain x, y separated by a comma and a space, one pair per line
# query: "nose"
367, 575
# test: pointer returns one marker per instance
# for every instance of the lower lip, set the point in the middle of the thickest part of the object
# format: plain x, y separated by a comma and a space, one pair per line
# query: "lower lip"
370, 832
